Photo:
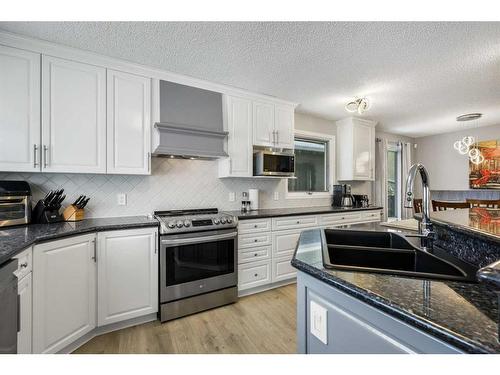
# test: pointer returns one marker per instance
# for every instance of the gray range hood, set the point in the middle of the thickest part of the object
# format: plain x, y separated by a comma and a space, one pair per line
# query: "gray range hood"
190, 122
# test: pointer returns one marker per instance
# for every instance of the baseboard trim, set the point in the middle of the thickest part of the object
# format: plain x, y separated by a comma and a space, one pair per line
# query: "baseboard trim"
106, 329
263, 288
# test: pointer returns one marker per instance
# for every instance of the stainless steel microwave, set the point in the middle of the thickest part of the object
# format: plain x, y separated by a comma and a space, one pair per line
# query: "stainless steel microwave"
273, 163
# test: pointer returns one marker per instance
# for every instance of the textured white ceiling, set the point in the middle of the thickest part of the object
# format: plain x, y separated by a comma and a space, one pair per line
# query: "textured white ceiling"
419, 76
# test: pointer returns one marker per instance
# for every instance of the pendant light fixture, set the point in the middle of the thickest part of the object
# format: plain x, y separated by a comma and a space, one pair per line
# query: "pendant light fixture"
468, 145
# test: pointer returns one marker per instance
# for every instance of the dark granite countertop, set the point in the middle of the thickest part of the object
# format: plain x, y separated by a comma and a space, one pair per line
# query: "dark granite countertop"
292, 211
16, 239
479, 222
462, 314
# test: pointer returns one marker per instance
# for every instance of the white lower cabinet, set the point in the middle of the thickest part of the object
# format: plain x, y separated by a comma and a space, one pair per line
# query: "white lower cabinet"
64, 292
251, 275
24, 289
266, 246
127, 274
282, 269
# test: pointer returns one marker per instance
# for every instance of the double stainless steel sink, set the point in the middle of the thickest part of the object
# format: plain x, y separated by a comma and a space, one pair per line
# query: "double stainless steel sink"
386, 252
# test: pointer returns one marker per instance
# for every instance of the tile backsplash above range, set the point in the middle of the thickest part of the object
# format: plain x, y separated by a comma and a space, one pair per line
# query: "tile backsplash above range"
173, 184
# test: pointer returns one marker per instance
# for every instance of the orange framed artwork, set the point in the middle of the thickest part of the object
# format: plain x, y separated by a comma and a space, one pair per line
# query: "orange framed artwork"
487, 174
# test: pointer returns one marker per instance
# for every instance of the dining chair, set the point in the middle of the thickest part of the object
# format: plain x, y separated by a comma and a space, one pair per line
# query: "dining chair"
485, 203
443, 205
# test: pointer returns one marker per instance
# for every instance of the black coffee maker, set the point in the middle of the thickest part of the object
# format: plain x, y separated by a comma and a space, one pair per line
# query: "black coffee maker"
342, 196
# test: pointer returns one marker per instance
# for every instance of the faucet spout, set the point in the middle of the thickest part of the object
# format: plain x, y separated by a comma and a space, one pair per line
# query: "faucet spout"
425, 226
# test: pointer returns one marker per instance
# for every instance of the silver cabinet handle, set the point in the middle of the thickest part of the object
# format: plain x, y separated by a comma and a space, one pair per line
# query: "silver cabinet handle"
45, 149
95, 251
156, 242
277, 137
148, 160
35, 149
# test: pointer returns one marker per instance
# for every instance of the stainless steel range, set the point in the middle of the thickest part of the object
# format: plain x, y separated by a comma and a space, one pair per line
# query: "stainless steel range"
198, 261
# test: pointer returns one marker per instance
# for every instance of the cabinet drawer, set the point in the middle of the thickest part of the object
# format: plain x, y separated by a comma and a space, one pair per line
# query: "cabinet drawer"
285, 242
254, 274
24, 263
254, 254
282, 269
371, 215
253, 240
294, 222
254, 226
339, 219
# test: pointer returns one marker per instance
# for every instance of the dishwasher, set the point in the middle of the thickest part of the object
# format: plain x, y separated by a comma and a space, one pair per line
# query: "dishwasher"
9, 308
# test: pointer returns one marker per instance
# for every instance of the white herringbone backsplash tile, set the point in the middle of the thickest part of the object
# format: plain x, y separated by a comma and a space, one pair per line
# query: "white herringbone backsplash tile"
173, 184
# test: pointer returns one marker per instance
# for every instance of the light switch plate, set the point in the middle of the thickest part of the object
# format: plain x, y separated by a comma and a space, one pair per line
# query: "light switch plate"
232, 197
276, 195
319, 322
122, 199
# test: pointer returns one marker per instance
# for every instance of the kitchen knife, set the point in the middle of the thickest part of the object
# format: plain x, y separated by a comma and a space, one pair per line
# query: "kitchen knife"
79, 201
82, 205
75, 203
59, 201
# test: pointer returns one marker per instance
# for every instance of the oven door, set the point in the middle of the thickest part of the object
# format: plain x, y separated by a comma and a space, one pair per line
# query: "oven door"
197, 263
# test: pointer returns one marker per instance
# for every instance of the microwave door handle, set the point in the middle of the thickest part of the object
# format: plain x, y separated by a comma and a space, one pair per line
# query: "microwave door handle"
184, 241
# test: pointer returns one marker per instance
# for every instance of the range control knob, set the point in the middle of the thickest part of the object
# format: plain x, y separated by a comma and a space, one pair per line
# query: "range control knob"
223, 220
187, 223
179, 224
171, 224
216, 221
229, 220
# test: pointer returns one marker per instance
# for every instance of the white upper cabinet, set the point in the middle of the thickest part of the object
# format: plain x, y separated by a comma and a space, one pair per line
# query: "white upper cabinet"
273, 125
284, 121
127, 274
64, 292
73, 117
356, 149
238, 122
129, 123
263, 124
19, 110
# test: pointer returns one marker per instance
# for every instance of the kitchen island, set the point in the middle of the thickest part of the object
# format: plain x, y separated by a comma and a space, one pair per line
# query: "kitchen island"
382, 313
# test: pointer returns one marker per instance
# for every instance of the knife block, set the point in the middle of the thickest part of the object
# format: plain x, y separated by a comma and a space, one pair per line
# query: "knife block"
73, 213
44, 215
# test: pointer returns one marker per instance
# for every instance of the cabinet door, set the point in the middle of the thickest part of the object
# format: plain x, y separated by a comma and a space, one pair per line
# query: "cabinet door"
283, 269
64, 292
74, 117
285, 242
127, 274
25, 315
129, 123
284, 126
19, 110
363, 136
239, 118
263, 124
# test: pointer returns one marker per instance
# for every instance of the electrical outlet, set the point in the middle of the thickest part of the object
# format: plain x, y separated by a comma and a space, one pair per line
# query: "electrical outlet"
122, 199
276, 195
232, 197
318, 322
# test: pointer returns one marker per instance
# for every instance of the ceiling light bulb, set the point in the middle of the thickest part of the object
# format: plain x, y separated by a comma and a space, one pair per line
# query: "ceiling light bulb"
463, 149
474, 153
351, 107
468, 140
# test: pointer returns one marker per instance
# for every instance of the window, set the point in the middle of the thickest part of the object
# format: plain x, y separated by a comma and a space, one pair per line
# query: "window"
393, 181
313, 165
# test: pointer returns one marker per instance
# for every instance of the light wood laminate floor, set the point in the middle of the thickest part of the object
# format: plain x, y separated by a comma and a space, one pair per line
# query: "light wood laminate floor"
261, 323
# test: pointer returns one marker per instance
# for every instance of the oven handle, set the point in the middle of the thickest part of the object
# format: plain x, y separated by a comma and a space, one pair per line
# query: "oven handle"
188, 241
